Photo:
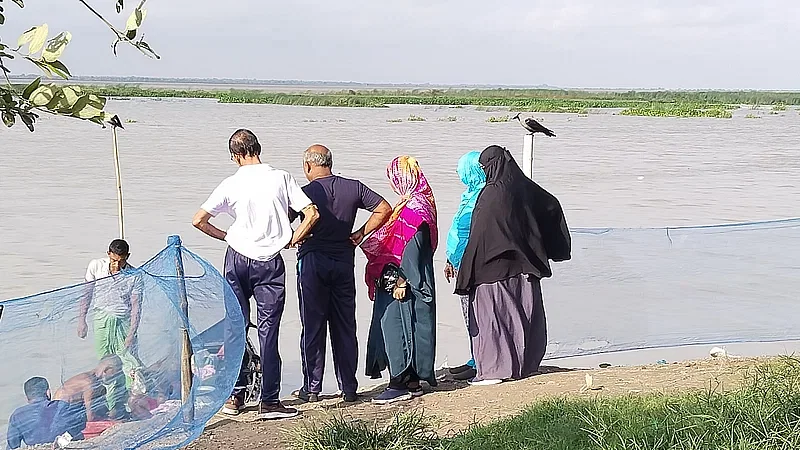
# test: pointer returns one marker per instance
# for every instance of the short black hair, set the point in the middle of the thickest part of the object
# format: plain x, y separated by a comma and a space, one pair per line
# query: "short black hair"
119, 247
244, 143
36, 388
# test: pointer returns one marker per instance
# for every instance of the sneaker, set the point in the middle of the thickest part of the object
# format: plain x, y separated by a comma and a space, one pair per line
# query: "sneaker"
302, 394
350, 397
461, 368
391, 395
466, 375
233, 406
476, 382
274, 411
416, 391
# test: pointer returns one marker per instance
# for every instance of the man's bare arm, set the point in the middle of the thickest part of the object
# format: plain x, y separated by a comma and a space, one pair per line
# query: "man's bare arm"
379, 217
88, 396
136, 313
86, 300
310, 218
136, 301
200, 221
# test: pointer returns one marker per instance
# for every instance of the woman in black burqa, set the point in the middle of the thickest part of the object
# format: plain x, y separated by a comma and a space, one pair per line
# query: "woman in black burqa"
517, 227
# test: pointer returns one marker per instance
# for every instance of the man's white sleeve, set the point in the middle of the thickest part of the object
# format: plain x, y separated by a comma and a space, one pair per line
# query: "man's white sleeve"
298, 200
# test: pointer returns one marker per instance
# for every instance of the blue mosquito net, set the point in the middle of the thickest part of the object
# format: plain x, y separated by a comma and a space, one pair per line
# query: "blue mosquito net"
155, 390
631, 289
623, 289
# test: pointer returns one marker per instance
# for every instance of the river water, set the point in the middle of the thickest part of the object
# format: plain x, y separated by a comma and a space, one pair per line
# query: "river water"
58, 198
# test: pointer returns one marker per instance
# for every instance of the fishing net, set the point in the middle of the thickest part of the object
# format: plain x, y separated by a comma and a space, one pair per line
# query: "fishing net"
630, 289
135, 398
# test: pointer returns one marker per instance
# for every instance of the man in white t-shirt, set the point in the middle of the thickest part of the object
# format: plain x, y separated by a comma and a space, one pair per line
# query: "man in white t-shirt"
115, 294
259, 198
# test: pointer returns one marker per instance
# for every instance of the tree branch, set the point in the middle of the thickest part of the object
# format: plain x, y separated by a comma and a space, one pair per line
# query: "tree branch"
120, 36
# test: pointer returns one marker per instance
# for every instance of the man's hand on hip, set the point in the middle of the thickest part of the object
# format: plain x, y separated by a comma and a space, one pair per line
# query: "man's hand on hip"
357, 237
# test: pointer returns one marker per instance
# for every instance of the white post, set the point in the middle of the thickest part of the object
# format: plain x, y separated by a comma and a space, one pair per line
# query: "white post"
119, 183
527, 156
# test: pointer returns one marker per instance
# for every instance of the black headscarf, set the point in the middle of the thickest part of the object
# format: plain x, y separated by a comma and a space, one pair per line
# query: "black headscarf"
517, 226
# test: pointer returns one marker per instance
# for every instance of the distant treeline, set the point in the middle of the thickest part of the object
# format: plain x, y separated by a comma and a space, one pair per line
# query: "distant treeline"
640, 103
477, 97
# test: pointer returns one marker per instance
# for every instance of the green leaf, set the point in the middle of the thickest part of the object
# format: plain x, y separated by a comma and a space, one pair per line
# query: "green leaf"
136, 18
55, 47
97, 101
8, 99
130, 34
2, 18
8, 119
26, 94
93, 107
28, 119
43, 95
143, 45
57, 103
44, 67
35, 38
59, 68
97, 120
88, 112
70, 96
80, 104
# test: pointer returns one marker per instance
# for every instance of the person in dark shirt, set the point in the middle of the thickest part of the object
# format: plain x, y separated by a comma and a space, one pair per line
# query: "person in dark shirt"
325, 272
42, 420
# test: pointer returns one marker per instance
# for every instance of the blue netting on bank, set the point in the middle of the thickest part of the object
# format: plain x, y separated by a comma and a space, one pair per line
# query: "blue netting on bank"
623, 289
630, 289
40, 337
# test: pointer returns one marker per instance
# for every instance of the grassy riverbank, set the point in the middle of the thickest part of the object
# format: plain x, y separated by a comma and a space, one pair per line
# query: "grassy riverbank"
763, 413
644, 103
724, 403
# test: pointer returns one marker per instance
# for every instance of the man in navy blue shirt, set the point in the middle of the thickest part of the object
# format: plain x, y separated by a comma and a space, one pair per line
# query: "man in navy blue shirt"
325, 272
42, 420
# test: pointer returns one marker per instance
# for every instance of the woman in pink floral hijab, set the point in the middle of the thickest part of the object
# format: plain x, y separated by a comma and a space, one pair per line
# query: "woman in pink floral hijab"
400, 279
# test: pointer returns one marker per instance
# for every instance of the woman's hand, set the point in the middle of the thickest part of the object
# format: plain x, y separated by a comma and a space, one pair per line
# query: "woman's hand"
449, 271
400, 289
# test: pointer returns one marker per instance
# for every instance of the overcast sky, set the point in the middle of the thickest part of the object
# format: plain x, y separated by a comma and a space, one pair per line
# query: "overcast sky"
568, 43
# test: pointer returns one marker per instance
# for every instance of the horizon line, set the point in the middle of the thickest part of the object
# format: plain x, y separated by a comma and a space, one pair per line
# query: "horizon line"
299, 82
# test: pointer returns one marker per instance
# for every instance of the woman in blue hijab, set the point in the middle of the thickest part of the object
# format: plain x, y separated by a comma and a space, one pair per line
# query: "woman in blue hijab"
474, 178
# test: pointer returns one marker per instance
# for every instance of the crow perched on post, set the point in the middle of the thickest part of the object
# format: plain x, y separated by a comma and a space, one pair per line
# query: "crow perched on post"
534, 126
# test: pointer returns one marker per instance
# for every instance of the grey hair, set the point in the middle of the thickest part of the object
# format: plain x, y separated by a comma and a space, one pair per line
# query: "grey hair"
319, 159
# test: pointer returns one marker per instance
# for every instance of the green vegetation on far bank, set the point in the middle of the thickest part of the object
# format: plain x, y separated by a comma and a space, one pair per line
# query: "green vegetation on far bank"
764, 414
638, 103
671, 110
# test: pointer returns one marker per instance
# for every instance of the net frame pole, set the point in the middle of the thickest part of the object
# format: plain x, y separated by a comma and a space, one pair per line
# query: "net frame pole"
186, 344
528, 155
119, 182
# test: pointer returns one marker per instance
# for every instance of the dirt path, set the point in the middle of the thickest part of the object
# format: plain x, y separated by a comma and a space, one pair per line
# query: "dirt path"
456, 405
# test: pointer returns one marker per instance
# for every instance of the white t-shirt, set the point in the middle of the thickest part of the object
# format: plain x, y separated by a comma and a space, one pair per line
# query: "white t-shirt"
258, 197
113, 295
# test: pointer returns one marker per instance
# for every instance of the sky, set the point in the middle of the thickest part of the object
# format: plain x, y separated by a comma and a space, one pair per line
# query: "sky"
672, 44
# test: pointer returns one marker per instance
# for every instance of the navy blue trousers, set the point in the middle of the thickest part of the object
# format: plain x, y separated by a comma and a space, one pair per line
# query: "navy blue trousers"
266, 282
327, 292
